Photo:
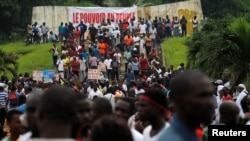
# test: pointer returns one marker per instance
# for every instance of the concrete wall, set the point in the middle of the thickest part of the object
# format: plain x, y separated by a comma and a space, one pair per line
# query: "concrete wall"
54, 15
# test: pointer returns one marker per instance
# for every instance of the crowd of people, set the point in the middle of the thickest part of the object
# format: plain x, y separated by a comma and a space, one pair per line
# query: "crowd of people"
135, 98
181, 111
164, 27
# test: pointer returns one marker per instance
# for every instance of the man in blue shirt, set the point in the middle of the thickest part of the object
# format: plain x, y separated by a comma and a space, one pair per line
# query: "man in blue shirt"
83, 29
95, 52
85, 54
66, 32
61, 31
192, 98
129, 76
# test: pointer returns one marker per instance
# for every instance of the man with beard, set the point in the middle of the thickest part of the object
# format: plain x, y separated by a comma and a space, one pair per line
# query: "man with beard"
191, 94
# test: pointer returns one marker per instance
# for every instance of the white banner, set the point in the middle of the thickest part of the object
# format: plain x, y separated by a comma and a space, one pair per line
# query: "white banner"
95, 15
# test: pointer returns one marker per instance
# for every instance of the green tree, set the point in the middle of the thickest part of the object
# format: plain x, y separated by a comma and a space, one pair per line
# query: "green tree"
240, 29
222, 45
8, 18
220, 8
8, 63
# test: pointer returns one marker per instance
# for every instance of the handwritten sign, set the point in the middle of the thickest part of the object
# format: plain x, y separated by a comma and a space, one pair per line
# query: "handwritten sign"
94, 74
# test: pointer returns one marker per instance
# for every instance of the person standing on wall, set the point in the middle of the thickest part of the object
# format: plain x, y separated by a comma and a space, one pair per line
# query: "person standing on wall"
175, 24
45, 30
195, 24
83, 29
183, 23
61, 31
168, 27
66, 33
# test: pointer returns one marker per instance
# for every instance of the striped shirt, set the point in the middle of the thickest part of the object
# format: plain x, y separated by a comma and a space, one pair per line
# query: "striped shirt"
3, 99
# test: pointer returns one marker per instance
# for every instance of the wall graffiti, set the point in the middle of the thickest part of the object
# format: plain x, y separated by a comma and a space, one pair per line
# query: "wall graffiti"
189, 9
189, 15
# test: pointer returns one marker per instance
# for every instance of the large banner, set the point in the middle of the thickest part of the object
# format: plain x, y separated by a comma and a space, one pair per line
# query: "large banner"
95, 15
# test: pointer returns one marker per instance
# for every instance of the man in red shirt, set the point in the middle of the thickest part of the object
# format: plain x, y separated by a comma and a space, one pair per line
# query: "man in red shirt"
77, 35
125, 25
75, 65
226, 95
153, 53
143, 62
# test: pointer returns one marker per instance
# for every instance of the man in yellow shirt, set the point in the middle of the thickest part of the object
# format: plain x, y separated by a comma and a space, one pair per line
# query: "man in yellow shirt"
66, 66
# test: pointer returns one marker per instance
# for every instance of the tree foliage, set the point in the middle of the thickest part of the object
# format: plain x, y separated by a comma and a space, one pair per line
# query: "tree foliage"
220, 8
8, 63
222, 45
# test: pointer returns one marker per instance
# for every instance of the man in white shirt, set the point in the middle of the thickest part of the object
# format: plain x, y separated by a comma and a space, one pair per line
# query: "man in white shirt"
143, 28
82, 69
109, 96
60, 64
116, 36
109, 68
118, 56
152, 109
110, 28
95, 92
242, 93
45, 29
136, 40
116, 32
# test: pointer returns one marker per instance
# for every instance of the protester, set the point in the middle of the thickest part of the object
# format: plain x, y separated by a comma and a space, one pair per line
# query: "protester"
101, 107
81, 128
192, 97
110, 129
30, 117
57, 111
153, 109
14, 124
114, 50
124, 109
242, 93
229, 115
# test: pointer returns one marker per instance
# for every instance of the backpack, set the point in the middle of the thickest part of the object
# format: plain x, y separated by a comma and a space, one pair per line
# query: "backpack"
13, 98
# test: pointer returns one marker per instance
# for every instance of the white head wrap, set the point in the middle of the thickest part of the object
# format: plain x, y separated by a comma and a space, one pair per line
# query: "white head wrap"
219, 88
243, 87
